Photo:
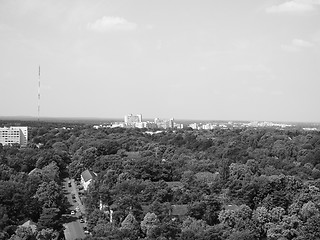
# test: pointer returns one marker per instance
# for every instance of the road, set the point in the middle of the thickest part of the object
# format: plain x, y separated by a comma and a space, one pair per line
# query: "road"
73, 228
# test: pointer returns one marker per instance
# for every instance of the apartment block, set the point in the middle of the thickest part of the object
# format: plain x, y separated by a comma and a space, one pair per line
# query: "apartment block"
132, 120
12, 135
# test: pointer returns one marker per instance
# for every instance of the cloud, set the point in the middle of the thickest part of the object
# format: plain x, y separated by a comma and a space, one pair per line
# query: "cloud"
106, 24
294, 7
297, 45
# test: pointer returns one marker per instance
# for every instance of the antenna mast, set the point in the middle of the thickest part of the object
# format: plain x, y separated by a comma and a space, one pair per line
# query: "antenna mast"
39, 96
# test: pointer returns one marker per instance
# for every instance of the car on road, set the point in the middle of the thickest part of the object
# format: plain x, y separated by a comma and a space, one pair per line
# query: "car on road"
69, 183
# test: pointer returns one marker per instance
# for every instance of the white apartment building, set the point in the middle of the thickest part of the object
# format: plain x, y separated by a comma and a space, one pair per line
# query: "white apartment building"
12, 135
132, 119
164, 123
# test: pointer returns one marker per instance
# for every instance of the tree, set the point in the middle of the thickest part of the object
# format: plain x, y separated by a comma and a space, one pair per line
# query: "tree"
194, 225
49, 194
23, 233
126, 204
167, 230
130, 223
243, 235
276, 214
261, 215
308, 210
288, 228
50, 218
207, 210
227, 217
149, 223
130, 227
88, 157
213, 207
75, 169
45, 234
104, 229
95, 217
60, 146
51, 172
310, 230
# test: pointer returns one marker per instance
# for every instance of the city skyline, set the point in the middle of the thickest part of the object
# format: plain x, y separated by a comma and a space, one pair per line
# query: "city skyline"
211, 60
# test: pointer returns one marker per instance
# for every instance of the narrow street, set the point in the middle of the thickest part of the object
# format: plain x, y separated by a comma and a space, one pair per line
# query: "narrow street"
73, 228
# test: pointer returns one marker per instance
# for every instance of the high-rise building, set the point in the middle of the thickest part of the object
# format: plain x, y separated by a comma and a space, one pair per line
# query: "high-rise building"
12, 135
164, 123
132, 119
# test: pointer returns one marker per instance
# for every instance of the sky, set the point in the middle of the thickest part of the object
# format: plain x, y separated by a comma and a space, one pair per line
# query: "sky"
256, 60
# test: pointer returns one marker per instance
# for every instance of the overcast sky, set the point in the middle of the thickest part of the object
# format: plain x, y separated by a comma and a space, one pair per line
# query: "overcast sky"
187, 59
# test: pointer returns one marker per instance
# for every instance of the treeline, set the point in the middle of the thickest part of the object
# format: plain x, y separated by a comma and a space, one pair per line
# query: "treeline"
183, 184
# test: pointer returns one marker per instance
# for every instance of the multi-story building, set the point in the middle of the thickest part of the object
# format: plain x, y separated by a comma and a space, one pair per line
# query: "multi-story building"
12, 135
164, 123
194, 126
131, 120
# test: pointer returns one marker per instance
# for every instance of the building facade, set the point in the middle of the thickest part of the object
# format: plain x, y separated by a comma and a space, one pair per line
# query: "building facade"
131, 120
164, 123
14, 135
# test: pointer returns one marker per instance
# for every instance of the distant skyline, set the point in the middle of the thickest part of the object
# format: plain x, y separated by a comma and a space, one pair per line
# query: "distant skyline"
211, 60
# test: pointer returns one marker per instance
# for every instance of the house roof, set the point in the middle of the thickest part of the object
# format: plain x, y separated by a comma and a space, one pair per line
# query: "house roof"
88, 175
207, 176
31, 225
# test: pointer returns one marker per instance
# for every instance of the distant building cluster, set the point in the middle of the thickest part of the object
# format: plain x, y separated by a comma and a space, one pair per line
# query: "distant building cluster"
209, 126
14, 135
206, 126
136, 121
311, 129
267, 124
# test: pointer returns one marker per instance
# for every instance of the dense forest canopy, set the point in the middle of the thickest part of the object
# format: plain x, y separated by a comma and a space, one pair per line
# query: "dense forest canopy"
237, 183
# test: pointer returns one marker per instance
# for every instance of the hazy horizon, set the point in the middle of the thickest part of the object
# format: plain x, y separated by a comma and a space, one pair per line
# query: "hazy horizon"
238, 61
119, 119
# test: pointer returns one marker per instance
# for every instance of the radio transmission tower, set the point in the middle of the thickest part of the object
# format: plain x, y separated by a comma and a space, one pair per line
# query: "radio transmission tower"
39, 96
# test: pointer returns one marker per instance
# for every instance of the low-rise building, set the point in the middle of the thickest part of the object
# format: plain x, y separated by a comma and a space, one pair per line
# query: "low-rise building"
87, 177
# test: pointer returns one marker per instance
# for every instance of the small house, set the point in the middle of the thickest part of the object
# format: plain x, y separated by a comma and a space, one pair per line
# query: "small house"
87, 177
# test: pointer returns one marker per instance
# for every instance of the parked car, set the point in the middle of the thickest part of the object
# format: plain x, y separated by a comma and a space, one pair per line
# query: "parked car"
73, 212
85, 230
